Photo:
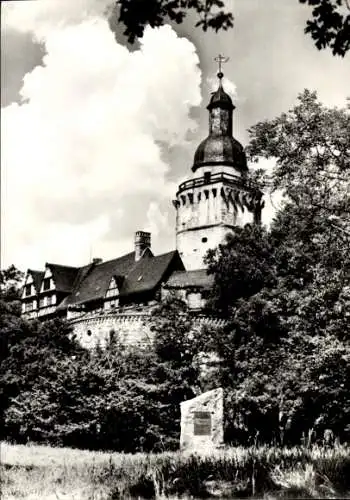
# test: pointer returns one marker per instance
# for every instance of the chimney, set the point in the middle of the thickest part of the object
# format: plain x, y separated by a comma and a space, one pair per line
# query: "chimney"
142, 241
96, 260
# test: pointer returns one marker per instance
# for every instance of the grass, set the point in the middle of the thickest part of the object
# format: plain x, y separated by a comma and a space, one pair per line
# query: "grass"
41, 472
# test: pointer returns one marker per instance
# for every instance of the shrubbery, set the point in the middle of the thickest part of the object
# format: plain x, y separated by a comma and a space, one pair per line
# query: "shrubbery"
121, 398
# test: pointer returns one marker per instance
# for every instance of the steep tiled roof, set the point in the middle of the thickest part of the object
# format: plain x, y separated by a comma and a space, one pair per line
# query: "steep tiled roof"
134, 277
190, 279
37, 278
148, 272
63, 276
93, 284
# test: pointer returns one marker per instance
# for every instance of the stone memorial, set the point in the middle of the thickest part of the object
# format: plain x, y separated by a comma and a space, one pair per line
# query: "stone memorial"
202, 422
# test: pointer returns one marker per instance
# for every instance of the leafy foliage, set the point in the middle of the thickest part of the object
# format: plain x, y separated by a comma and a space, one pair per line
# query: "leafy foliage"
136, 14
122, 398
10, 280
330, 26
241, 267
285, 351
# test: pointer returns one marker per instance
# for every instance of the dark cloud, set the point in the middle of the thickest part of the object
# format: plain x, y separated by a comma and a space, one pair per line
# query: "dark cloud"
19, 55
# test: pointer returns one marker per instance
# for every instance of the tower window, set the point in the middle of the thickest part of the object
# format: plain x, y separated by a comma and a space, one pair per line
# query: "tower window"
204, 240
207, 177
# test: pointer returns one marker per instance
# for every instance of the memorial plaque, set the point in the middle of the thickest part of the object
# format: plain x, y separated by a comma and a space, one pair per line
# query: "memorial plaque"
202, 423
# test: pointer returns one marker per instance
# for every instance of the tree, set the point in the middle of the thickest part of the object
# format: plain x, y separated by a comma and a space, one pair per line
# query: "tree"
311, 146
242, 266
311, 233
176, 344
286, 348
10, 281
136, 14
329, 26
121, 397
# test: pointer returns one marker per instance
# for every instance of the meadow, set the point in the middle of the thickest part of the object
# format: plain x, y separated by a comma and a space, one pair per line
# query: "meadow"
32, 472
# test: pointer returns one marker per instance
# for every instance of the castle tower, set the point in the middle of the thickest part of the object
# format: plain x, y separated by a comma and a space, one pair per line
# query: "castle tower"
218, 196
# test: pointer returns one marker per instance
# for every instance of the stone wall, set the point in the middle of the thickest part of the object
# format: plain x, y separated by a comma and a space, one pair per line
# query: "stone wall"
132, 327
129, 328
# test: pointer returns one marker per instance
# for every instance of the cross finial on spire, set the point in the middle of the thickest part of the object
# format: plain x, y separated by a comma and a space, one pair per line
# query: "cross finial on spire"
221, 59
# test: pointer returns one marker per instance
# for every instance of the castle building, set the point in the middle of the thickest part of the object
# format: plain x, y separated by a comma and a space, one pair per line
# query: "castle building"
102, 298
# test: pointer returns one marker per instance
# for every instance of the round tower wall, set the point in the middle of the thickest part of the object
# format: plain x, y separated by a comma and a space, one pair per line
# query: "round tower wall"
193, 245
204, 216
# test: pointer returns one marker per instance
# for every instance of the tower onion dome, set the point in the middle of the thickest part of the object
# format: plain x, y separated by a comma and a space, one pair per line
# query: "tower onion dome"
220, 148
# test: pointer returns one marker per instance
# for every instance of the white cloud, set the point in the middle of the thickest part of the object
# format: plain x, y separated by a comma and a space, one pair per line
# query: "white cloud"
81, 155
157, 220
41, 17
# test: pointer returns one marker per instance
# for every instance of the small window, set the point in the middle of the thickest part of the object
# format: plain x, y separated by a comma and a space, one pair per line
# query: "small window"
204, 240
28, 290
207, 176
89, 333
47, 284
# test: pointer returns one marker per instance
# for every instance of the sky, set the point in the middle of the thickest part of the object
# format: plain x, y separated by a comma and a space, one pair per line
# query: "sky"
96, 134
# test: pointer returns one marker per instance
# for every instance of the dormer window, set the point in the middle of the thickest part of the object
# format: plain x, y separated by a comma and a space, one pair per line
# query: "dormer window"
47, 284
28, 290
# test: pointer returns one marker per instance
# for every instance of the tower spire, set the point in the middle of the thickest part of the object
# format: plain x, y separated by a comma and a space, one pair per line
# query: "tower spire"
220, 59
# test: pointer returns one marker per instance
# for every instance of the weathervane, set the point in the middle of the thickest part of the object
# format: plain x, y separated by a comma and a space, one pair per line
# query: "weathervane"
221, 59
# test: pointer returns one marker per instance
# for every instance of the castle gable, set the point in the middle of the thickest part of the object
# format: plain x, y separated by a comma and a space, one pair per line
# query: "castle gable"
149, 272
32, 283
37, 277
62, 278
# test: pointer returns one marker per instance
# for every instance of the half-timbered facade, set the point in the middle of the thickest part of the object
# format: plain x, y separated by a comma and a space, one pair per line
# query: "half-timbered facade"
135, 279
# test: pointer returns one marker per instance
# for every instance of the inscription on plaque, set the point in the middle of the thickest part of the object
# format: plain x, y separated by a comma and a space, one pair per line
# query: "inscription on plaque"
202, 423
